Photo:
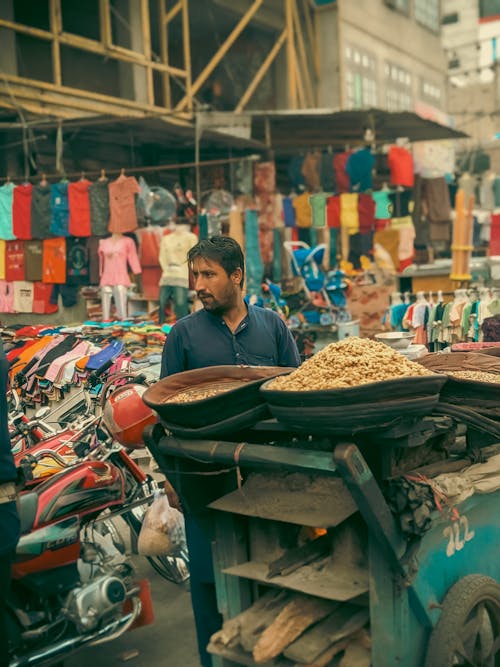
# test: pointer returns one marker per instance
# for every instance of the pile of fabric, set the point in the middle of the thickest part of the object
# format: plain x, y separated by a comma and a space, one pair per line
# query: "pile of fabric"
46, 362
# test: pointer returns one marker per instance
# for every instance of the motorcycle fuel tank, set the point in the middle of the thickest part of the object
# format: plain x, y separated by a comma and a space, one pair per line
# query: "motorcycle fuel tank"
85, 488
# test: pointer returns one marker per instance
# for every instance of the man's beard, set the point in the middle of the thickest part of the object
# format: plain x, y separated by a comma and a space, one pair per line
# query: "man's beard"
218, 307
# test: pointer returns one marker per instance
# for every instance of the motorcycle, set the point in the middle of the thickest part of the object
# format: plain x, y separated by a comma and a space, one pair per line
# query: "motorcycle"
87, 439
71, 586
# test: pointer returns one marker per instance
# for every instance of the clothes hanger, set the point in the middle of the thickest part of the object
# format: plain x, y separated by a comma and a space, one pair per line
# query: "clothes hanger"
122, 174
43, 181
103, 176
82, 176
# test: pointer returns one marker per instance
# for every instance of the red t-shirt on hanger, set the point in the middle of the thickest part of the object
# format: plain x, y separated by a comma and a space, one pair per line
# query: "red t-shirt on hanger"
79, 208
21, 211
14, 261
401, 166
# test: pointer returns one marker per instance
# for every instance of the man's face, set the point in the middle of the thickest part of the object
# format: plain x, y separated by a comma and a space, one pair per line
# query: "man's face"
217, 291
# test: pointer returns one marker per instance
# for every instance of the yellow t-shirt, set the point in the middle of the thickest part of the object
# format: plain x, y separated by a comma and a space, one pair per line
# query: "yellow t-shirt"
349, 216
2, 260
303, 213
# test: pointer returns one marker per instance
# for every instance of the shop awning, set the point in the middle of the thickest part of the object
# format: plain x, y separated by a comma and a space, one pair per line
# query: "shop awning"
289, 130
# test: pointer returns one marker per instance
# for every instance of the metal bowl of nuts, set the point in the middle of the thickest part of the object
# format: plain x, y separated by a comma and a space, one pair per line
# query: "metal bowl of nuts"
398, 340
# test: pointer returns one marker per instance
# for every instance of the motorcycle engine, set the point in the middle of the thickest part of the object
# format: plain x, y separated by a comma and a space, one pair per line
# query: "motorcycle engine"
87, 605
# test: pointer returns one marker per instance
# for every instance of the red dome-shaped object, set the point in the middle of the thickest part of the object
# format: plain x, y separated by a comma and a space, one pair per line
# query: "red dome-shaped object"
126, 415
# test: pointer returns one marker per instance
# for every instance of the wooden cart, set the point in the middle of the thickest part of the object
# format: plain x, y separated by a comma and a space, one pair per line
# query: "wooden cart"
433, 601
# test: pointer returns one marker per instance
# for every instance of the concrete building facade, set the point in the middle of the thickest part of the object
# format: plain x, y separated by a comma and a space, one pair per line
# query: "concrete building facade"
471, 39
388, 55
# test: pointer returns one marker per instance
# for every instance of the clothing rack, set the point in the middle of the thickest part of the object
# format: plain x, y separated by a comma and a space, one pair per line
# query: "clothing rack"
150, 169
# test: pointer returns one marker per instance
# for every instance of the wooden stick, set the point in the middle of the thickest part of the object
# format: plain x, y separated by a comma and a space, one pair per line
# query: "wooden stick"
93, 46
313, 42
303, 57
162, 19
186, 45
261, 72
115, 105
56, 28
290, 54
212, 64
172, 13
105, 22
146, 48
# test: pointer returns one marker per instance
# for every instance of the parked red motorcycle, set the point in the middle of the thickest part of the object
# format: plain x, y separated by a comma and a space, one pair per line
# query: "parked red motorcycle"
71, 586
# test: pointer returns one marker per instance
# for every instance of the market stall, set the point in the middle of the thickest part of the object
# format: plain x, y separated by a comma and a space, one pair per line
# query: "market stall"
351, 526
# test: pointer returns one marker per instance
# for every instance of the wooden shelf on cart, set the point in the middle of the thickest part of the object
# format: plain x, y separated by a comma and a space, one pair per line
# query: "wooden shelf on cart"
324, 501
334, 581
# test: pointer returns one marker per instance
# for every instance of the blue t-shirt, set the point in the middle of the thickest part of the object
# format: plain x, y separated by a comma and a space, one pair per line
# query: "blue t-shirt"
6, 198
203, 339
59, 209
359, 167
288, 212
383, 206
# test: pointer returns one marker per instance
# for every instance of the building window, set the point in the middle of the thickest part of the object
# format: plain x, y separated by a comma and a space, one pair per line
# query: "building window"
449, 19
430, 92
397, 85
489, 8
427, 13
361, 78
399, 5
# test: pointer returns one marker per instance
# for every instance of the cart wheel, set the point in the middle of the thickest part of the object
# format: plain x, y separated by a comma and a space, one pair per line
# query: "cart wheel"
468, 630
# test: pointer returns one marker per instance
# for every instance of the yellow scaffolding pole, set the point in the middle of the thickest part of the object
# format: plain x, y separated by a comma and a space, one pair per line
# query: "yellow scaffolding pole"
219, 55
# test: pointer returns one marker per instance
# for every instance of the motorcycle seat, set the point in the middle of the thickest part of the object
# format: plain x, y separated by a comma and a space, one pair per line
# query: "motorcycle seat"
27, 508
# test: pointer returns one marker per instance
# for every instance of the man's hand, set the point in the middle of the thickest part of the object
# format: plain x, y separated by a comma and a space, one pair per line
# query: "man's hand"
172, 496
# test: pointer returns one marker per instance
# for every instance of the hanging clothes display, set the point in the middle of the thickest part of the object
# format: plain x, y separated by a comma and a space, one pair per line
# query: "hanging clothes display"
21, 211
401, 165
123, 216
59, 209
303, 213
341, 176
79, 208
254, 266
40, 211
99, 206
318, 209
14, 261
311, 170
359, 169
54, 260
33, 260
462, 238
6, 201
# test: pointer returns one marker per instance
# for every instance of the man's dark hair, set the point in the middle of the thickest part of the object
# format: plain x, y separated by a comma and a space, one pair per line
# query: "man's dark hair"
221, 249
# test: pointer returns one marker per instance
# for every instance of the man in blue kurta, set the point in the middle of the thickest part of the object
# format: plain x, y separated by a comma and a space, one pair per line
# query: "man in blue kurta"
225, 331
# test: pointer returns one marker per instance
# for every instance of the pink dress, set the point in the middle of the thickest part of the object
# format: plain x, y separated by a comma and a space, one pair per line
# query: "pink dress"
115, 256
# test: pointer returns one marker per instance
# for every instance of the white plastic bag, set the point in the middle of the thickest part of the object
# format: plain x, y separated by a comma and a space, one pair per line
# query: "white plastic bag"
162, 532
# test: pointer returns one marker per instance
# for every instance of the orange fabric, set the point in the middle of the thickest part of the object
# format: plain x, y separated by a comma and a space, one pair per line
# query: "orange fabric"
401, 166
123, 216
54, 260
27, 355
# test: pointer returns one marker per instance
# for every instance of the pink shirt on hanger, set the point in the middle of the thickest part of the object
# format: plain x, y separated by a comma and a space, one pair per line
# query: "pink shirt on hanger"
115, 256
123, 216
